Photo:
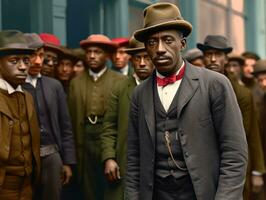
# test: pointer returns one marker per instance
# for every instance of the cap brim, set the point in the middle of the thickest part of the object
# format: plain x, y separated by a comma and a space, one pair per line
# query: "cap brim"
134, 50
8, 51
203, 48
181, 25
53, 47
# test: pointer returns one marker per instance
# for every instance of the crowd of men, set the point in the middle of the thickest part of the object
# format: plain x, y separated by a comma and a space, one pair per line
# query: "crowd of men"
155, 124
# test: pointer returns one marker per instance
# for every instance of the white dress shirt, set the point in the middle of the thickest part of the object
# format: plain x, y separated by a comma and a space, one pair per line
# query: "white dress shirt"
33, 79
96, 76
167, 93
6, 86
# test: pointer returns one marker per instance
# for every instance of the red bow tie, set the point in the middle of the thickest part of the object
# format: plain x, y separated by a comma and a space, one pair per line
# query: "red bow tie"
170, 79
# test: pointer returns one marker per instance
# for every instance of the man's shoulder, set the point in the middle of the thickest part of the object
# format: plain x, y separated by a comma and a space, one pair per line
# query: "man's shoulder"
50, 80
115, 75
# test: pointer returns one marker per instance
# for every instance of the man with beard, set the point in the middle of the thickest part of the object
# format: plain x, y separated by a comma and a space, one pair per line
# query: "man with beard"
51, 53
88, 96
19, 130
114, 136
215, 49
57, 142
186, 140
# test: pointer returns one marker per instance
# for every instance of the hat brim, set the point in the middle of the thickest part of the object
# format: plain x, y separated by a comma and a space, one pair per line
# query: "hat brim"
110, 47
204, 48
181, 25
255, 73
8, 51
53, 48
134, 50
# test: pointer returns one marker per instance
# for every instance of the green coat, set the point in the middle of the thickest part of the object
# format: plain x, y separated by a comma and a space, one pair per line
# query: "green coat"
114, 136
247, 106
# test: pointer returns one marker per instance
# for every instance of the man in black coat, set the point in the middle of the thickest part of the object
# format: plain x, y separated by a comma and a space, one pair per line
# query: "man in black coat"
186, 139
57, 142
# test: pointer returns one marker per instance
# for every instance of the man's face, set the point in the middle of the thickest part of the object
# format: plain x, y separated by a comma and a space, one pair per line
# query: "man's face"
78, 67
164, 49
96, 58
14, 68
36, 62
50, 62
120, 58
262, 81
249, 67
215, 60
233, 67
142, 64
65, 69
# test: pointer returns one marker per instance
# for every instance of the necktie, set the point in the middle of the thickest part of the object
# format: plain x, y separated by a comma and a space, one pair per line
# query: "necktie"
170, 79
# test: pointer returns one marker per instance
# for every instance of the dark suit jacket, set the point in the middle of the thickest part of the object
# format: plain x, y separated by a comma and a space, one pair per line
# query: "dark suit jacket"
211, 134
56, 102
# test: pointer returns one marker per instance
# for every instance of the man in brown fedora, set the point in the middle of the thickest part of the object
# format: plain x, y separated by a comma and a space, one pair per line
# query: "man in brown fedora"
215, 49
186, 138
88, 96
114, 136
19, 130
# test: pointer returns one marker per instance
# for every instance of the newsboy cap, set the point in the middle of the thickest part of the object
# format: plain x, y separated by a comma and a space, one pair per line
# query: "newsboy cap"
218, 42
99, 40
162, 16
13, 41
135, 46
260, 67
193, 54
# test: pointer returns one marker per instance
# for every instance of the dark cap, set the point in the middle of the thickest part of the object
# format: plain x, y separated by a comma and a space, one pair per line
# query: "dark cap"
217, 42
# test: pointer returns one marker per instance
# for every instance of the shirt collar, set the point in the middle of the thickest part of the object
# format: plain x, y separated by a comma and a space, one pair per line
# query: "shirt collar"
6, 86
124, 70
137, 79
96, 76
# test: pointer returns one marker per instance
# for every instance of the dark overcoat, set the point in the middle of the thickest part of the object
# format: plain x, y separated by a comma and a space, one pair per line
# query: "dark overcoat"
210, 130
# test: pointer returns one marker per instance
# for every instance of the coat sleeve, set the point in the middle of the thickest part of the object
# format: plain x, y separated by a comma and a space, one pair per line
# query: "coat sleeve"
110, 126
231, 138
68, 146
133, 157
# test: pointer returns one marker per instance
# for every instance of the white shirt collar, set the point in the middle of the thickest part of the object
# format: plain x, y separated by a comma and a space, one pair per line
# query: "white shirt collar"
96, 76
6, 86
137, 79
124, 70
33, 79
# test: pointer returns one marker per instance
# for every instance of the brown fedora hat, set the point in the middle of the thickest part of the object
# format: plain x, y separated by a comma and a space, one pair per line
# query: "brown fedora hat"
260, 67
34, 40
162, 16
99, 40
218, 42
134, 46
235, 57
13, 41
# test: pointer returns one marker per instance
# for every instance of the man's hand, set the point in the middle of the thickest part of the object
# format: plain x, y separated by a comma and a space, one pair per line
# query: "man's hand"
257, 183
111, 170
67, 174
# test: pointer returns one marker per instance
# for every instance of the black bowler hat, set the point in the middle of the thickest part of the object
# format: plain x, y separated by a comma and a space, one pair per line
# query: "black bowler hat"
218, 42
13, 42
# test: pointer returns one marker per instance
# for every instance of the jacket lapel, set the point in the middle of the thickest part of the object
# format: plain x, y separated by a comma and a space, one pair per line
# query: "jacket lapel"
131, 85
148, 106
188, 87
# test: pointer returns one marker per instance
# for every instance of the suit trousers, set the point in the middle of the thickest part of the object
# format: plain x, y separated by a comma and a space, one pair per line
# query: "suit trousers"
51, 174
170, 188
16, 188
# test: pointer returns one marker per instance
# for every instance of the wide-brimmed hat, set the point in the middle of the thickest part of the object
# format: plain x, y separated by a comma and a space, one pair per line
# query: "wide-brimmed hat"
67, 53
193, 54
236, 57
260, 67
79, 53
13, 41
51, 42
121, 42
162, 16
34, 40
135, 46
218, 42
99, 40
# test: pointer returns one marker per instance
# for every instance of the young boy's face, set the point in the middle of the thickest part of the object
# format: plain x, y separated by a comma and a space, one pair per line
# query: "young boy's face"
14, 68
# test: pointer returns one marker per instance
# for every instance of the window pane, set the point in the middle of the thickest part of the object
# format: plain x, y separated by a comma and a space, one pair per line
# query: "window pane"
238, 34
238, 5
211, 20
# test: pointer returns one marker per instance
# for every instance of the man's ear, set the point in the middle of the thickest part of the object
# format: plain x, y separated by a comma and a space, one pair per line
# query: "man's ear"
183, 43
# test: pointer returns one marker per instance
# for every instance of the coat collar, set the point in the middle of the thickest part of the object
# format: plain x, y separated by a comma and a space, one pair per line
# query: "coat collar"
187, 89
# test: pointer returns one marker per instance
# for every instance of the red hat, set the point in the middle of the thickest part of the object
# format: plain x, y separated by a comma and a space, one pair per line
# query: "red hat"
121, 41
51, 41
99, 40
